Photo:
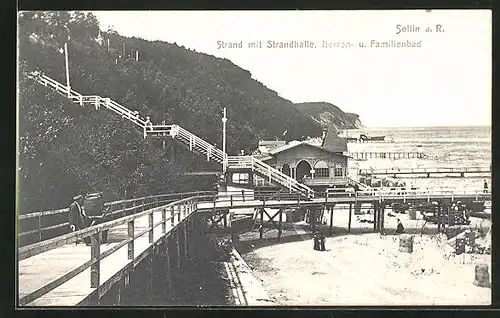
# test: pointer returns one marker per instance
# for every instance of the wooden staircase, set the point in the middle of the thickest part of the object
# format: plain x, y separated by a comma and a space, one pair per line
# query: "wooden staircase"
195, 143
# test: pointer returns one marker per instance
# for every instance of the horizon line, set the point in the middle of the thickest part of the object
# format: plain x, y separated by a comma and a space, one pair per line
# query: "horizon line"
422, 126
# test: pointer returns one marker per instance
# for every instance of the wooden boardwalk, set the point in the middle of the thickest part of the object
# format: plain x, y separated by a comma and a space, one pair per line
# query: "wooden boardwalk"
237, 202
39, 270
426, 171
387, 155
52, 273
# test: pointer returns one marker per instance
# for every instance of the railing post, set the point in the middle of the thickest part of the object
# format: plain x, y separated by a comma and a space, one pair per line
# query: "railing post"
131, 233
143, 206
164, 220
150, 218
39, 228
231, 196
243, 195
172, 216
95, 252
179, 215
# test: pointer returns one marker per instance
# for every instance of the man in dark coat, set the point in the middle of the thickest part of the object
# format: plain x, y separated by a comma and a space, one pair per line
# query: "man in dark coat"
400, 228
77, 218
316, 242
322, 242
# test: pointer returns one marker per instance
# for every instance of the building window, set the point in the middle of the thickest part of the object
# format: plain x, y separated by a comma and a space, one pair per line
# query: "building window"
322, 173
339, 172
240, 178
321, 170
286, 169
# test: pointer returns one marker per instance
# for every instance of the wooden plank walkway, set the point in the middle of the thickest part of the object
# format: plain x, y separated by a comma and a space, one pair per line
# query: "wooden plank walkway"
41, 269
427, 171
387, 155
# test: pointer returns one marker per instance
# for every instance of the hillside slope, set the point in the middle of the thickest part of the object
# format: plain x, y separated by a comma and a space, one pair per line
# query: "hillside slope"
326, 114
66, 149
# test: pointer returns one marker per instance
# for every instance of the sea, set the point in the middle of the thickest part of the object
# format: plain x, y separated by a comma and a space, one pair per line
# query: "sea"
443, 146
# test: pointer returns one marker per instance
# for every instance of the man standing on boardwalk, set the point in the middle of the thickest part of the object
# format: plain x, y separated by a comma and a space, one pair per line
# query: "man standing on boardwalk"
485, 186
76, 217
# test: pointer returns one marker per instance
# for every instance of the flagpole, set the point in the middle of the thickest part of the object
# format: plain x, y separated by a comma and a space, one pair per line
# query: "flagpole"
67, 68
224, 120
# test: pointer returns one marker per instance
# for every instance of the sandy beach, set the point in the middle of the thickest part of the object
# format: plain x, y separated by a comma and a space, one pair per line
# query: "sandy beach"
362, 268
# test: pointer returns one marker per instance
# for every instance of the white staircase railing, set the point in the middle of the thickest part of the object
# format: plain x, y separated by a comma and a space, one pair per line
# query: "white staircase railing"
194, 142
270, 173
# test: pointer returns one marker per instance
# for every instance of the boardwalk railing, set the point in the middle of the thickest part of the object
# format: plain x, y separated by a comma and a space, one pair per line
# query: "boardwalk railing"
268, 172
116, 209
387, 155
240, 199
425, 170
171, 215
195, 143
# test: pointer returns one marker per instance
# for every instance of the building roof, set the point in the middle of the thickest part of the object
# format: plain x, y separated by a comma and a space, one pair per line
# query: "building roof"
263, 157
296, 143
332, 142
265, 146
287, 146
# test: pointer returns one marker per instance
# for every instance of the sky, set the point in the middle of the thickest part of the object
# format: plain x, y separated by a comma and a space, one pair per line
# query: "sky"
444, 81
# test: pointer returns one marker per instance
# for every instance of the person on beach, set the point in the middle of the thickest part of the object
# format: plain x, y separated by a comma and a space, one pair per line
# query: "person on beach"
485, 186
77, 216
316, 242
322, 242
400, 228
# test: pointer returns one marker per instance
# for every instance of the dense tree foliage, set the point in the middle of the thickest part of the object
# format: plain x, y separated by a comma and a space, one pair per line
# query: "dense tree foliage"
67, 149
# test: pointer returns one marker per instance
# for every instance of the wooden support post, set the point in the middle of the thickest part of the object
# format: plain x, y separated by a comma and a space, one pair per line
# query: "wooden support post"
168, 271
375, 216
185, 238
382, 216
224, 219
439, 216
150, 219
164, 220
131, 233
95, 251
172, 216
178, 249
449, 216
331, 220
39, 228
280, 223
350, 218
261, 227
150, 278
312, 219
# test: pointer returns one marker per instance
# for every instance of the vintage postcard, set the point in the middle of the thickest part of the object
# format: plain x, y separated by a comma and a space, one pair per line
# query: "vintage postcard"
254, 158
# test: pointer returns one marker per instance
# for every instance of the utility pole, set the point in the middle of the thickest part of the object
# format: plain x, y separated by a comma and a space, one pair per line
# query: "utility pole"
67, 68
224, 120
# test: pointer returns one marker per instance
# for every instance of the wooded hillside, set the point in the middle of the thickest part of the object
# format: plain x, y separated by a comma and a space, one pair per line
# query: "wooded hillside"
67, 149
